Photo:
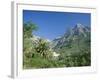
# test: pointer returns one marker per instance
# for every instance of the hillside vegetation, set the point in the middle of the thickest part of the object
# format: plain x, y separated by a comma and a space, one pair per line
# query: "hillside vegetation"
70, 50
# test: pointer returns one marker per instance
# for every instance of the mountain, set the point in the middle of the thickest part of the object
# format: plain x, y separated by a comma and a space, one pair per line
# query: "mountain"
79, 29
35, 39
74, 41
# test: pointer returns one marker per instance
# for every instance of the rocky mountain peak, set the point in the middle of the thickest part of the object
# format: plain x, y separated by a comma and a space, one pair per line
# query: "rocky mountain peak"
79, 29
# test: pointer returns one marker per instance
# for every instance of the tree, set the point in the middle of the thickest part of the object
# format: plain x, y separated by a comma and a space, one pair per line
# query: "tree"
43, 48
28, 28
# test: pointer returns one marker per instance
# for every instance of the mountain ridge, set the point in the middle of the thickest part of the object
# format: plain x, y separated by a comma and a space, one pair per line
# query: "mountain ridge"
74, 39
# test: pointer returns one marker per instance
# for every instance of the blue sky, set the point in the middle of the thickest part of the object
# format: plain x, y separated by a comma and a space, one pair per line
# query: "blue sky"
54, 24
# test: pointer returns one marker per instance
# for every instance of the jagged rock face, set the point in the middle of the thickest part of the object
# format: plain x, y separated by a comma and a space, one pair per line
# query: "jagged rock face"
79, 29
75, 37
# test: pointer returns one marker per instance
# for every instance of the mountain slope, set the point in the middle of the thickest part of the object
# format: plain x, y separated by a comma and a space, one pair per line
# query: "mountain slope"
74, 41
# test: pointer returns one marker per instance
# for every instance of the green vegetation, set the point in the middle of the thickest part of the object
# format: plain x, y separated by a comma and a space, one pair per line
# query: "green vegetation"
39, 53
